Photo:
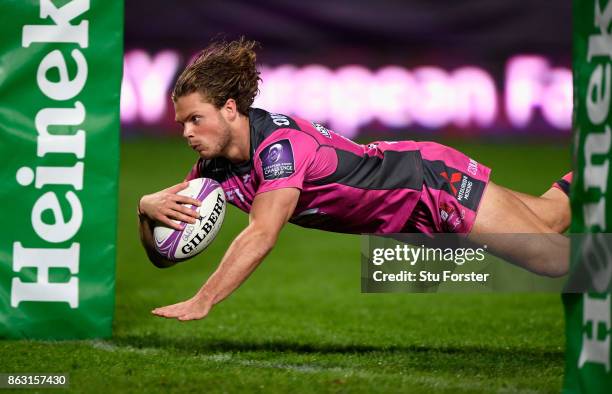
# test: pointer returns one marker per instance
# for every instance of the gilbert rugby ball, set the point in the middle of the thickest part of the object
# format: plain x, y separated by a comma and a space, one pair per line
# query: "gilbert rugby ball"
181, 245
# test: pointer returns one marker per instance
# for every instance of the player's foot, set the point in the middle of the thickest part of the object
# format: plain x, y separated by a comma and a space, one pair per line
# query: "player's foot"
564, 183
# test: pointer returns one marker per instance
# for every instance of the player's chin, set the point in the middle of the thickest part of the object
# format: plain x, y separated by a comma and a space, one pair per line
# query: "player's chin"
207, 155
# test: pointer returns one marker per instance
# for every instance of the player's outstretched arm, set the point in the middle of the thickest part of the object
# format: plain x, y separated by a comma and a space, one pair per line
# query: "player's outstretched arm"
162, 207
269, 213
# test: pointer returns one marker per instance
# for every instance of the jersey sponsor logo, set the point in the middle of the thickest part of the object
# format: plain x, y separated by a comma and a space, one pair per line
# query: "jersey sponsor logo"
465, 188
472, 167
452, 180
446, 211
450, 218
460, 185
277, 160
322, 129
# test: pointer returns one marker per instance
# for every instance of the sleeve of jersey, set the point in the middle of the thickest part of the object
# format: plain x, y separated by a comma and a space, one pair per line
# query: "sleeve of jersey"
282, 160
195, 171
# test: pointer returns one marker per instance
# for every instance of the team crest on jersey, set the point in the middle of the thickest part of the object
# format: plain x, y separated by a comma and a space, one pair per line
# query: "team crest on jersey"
277, 160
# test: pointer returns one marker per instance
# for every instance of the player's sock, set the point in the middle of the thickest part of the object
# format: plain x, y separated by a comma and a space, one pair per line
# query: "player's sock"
564, 183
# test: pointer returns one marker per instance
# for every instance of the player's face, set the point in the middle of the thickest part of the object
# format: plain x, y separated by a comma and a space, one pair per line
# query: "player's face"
206, 131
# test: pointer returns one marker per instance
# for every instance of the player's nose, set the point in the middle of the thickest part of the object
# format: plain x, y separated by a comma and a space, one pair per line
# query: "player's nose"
187, 131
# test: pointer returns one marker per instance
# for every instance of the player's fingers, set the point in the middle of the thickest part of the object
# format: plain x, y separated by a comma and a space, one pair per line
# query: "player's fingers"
169, 311
162, 218
177, 313
187, 200
191, 316
165, 220
178, 306
161, 314
188, 211
178, 187
194, 313
170, 214
176, 215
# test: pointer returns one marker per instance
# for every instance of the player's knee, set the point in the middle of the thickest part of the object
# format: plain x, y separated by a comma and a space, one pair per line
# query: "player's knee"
552, 266
558, 209
556, 270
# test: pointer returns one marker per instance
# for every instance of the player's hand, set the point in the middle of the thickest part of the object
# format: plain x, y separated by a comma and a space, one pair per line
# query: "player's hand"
194, 308
166, 205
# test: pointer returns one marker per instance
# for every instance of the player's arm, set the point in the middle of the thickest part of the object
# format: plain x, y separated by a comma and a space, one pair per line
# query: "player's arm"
269, 213
162, 207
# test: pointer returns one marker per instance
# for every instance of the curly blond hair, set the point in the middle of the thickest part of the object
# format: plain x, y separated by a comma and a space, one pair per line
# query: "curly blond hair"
222, 71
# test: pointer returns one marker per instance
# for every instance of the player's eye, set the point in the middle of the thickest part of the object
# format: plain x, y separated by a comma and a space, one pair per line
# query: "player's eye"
196, 119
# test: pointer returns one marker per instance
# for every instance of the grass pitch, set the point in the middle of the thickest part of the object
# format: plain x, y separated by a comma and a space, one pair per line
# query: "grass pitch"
300, 322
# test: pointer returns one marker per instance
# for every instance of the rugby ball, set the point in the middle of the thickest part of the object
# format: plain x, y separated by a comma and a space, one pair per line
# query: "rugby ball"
179, 245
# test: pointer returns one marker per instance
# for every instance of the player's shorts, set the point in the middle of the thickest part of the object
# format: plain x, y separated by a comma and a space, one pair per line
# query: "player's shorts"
453, 185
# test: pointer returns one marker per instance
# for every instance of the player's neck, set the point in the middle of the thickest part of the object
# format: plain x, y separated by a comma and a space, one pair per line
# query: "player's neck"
239, 148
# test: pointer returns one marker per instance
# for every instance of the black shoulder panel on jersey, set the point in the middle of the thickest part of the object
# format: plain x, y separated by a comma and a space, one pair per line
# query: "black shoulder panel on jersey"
264, 123
218, 169
395, 170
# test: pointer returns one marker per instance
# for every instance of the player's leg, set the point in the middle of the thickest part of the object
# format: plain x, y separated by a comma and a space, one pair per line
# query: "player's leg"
553, 207
527, 241
458, 197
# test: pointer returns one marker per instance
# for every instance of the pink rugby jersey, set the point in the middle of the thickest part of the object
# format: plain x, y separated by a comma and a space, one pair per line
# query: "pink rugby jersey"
345, 187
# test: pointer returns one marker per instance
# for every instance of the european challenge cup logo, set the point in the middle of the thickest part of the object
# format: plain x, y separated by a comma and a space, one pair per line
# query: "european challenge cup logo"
275, 153
277, 160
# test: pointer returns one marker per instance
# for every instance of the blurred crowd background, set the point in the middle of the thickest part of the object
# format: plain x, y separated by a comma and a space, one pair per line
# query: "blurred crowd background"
398, 69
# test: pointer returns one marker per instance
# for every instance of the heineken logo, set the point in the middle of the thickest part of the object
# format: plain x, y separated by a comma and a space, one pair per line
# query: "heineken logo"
61, 75
596, 337
593, 107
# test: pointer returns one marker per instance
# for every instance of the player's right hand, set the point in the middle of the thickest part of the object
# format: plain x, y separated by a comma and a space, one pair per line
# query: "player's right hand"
166, 205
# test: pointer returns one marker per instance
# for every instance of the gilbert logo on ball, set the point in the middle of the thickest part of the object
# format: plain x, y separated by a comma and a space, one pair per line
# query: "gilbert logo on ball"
181, 245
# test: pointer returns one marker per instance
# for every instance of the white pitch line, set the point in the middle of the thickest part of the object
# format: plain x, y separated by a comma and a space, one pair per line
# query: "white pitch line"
228, 358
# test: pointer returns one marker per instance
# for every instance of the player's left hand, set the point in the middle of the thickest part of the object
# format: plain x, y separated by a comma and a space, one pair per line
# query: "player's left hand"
194, 308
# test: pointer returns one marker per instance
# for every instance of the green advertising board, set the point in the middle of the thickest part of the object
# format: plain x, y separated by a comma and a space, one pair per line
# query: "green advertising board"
60, 76
588, 315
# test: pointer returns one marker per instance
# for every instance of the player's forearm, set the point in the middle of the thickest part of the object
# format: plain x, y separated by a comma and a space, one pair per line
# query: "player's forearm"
145, 230
242, 257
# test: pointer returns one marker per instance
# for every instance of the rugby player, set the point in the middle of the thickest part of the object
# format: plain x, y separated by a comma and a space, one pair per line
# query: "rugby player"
281, 169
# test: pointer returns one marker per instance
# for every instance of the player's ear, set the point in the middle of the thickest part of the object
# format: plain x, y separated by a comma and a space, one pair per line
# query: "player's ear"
230, 109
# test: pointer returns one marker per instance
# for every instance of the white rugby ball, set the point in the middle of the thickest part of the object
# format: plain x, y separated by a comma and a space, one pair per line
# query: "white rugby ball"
181, 245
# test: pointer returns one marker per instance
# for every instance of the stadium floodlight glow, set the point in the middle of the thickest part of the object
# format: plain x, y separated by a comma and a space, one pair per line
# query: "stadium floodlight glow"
352, 96
129, 99
349, 105
524, 87
311, 98
475, 97
434, 108
531, 83
146, 82
277, 88
557, 99
392, 94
